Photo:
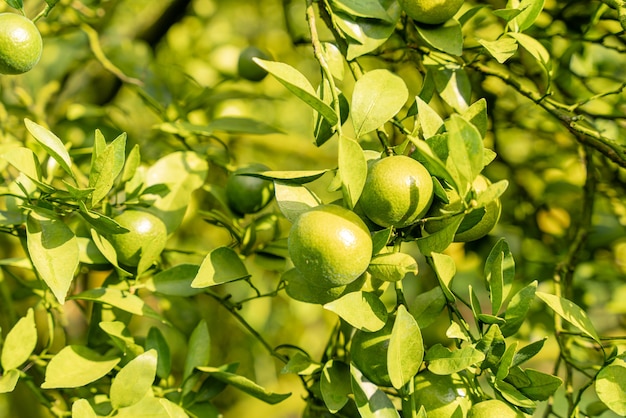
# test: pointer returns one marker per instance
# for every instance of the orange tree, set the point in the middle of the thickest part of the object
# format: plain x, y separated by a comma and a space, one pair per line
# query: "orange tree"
131, 285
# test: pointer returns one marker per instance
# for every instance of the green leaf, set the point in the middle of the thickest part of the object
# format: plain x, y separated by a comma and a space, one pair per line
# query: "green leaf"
377, 97
298, 84
447, 38
133, 382
106, 167
76, 366
392, 267
156, 341
529, 12
300, 363
534, 48
362, 310
527, 352
476, 114
506, 362
103, 224
571, 312
513, 395
52, 144
370, 400
361, 8
53, 249
428, 119
518, 308
440, 240
121, 337
501, 49
245, 385
173, 410
132, 163
406, 349
198, 349
292, 177
499, 273
121, 299
294, 199
542, 385
443, 361
82, 409
425, 154
9, 380
146, 407
445, 269
493, 346
19, 342
427, 306
335, 385
221, 265
25, 161
323, 131
230, 124
352, 169
452, 83
466, 152
175, 281
611, 388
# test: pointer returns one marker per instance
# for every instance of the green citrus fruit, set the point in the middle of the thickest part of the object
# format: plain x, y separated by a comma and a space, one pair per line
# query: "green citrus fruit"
330, 246
20, 44
249, 69
368, 351
247, 194
432, 12
442, 396
493, 408
398, 191
476, 224
145, 229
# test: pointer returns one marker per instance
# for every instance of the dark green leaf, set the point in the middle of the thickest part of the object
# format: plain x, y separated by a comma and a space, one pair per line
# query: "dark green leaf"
542, 385
493, 346
427, 306
103, 224
301, 364
198, 349
245, 385
335, 385
447, 38
527, 352
518, 308
156, 341
512, 395
361, 8
175, 281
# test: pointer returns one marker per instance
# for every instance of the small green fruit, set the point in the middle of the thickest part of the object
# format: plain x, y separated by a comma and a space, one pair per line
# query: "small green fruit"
442, 396
247, 194
493, 408
368, 351
144, 229
20, 44
249, 69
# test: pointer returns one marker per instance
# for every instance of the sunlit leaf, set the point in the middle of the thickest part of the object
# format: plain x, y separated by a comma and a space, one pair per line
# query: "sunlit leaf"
335, 385
441, 360
294, 200
246, 385
571, 312
221, 265
370, 400
77, 366
106, 167
362, 310
611, 388
134, 380
406, 349
392, 266
447, 37
52, 144
20, 342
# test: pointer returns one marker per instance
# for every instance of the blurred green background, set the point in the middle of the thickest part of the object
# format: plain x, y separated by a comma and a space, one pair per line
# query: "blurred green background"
180, 58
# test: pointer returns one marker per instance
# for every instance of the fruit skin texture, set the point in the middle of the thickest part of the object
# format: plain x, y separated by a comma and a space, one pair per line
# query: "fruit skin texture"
398, 191
246, 194
493, 408
432, 12
330, 246
469, 230
20, 44
144, 228
249, 69
443, 396
368, 351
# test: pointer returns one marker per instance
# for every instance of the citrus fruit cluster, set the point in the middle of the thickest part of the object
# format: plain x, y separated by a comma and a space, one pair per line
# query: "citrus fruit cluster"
20, 44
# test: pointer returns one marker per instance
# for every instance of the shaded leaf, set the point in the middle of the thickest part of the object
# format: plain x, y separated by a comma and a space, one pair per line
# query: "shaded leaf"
518, 308
335, 385
246, 385
175, 281
370, 400
447, 37
293, 199
121, 299
427, 306
198, 349
156, 341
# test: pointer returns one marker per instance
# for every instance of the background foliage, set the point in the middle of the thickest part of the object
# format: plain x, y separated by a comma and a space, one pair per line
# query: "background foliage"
133, 95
